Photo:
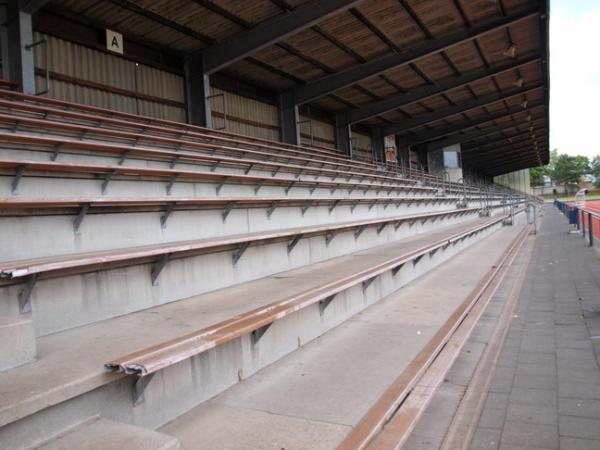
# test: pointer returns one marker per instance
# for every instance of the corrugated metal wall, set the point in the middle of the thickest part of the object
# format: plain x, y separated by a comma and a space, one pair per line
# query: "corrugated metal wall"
323, 133
245, 116
518, 180
88, 76
84, 75
363, 146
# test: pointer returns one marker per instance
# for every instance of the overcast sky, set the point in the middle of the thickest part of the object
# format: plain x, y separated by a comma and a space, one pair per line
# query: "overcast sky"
575, 76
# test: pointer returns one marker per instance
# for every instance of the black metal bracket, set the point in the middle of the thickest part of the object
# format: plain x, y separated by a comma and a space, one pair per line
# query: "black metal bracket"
381, 227
289, 186
350, 191
358, 232
237, 254
367, 283
107, 179
175, 161
257, 334
167, 213
228, 208
271, 208
335, 188
18, 175
332, 207
323, 304
158, 267
312, 190
139, 387
171, 183
398, 225
372, 205
215, 165
396, 269
25, 294
220, 185
248, 169
275, 171
77, 221
258, 186
353, 206
305, 207
57, 149
416, 260
123, 157
329, 236
293, 243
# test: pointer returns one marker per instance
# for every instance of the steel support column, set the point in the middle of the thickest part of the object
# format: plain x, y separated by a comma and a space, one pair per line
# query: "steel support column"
19, 53
378, 144
197, 87
343, 135
289, 119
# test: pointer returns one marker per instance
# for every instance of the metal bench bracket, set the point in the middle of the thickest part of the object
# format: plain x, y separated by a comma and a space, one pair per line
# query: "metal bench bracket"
77, 221
367, 283
305, 207
158, 267
228, 208
323, 304
332, 207
257, 334
107, 179
25, 294
18, 175
237, 254
396, 269
165, 216
272, 208
293, 243
57, 150
171, 183
139, 387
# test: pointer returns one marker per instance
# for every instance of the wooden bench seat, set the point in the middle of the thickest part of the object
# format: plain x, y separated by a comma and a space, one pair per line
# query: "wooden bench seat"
22, 167
146, 123
59, 143
152, 359
85, 262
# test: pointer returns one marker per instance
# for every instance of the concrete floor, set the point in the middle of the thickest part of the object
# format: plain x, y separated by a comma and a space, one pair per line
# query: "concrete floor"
545, 390
313, 397
83, 351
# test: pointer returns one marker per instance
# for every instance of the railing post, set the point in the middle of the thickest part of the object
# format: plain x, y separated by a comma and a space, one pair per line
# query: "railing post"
590, 229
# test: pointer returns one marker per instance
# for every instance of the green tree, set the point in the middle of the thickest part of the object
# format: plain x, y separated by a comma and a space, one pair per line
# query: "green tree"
536, 175
568, 169
595, 170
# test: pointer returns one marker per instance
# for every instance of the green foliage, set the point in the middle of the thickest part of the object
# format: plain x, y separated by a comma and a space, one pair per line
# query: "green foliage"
595, 170
536, 175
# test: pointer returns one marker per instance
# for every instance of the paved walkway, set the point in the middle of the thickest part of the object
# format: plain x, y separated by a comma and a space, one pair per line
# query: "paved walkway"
546, 390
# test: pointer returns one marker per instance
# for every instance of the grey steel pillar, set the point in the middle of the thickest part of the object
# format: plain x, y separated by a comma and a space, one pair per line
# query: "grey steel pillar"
289, 118
403, 152
197, 86
378, 144
343, 135
17, 52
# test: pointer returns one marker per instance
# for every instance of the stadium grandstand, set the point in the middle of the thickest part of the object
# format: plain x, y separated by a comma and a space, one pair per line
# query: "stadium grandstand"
286, 224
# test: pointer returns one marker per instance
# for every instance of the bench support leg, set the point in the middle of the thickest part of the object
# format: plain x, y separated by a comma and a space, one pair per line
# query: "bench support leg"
257, 334
323, 304
139, 386
158, 267
25, 294
77, 222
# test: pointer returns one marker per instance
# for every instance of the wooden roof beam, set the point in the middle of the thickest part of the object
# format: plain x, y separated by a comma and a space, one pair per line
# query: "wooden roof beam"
269, 32
375, 108
441, 132
449, 111
344, 78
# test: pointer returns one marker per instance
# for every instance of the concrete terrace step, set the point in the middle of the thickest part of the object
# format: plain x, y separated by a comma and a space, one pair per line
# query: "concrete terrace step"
313, 397
103, 434
70, 363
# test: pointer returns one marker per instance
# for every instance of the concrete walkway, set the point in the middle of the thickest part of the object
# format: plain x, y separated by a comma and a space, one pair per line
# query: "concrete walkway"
546, 391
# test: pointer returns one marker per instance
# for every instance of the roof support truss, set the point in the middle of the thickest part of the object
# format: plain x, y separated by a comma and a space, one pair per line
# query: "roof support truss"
441, 132
442, 113
271, 31
378, 107
334, 82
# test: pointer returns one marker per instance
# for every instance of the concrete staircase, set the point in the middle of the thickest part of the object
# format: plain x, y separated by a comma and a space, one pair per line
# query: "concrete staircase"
182, 292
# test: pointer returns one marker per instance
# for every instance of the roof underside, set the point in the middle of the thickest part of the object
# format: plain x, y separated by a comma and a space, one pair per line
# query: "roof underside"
516, 114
